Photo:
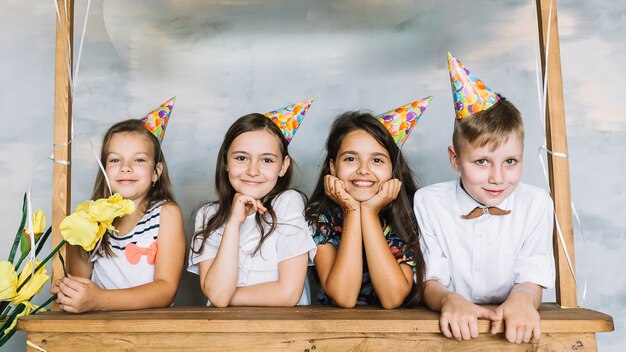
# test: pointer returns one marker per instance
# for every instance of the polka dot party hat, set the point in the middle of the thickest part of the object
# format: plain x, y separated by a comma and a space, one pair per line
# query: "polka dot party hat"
470, 94
400, 121
289, 118
156, 120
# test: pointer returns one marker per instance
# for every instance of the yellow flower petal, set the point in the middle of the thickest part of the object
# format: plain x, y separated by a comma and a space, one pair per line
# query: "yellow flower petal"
31, 288
28, 270
28, 307
80, 229
84, 206
39, 223
8, 280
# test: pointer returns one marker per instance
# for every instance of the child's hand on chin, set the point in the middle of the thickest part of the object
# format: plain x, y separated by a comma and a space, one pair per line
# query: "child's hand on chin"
77, 294
387, 192
244, 205
335, 189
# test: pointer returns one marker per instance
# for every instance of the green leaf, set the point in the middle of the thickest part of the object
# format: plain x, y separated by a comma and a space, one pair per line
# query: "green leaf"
42, 240
9, 321
52, 298
24, 247
4, 338
19, 231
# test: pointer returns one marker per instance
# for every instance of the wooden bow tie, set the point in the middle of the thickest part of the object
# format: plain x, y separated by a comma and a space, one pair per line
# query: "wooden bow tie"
478, 211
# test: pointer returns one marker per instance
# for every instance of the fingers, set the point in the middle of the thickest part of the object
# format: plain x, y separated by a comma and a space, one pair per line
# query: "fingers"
70, 288
444, 325
249, 203
536, 334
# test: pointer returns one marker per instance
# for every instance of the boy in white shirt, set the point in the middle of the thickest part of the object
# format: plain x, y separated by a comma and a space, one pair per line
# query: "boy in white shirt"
486, 237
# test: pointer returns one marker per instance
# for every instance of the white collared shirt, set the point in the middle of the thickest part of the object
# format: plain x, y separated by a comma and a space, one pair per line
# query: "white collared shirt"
290, 238
483, 258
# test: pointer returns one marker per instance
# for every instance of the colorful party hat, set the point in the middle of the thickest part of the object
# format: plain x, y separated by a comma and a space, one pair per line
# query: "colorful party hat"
288, 119
400, 121
156, 120
470, 94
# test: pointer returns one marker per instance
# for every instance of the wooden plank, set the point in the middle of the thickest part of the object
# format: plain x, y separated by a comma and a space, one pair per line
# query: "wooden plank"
61, 173
307, 342
557, 142
290, 320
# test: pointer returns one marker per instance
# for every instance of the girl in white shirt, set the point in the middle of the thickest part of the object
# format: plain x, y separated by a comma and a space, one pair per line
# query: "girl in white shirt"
251, 246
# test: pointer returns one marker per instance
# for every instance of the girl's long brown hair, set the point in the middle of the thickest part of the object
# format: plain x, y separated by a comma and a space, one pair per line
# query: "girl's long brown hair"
399, 213
226, 192
162, 189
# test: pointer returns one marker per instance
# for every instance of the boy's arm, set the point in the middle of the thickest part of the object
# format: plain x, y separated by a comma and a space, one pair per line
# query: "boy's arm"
519, 313
459, 317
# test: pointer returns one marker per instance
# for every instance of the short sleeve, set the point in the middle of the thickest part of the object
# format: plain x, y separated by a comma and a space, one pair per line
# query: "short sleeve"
395, 245
209, 246
437, 264
292, 235
326, 229
535, 261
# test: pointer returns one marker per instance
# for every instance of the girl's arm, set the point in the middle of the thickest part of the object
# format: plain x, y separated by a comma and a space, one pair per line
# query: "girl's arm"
284, 292
392, 281
341, 270
80, 294
78, 262
218, 276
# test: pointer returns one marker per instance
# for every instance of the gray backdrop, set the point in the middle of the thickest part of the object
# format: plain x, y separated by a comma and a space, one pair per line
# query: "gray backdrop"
225, 59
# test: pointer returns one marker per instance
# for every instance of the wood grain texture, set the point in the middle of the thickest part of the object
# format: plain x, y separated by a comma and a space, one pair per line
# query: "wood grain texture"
289, 320
566, 294
61, 173
307, 342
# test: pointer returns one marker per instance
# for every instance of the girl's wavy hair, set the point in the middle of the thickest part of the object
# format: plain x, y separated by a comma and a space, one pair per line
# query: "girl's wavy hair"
226, 192
160, 191
399, 213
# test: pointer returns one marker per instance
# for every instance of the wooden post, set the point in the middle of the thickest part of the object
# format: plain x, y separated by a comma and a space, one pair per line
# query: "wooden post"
557, 142
61, 176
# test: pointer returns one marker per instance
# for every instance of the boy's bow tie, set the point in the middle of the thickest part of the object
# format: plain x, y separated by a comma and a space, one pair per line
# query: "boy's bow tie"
478, 211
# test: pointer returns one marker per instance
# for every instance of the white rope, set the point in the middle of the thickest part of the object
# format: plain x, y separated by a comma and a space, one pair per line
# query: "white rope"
80, 46
56, 6
38, 348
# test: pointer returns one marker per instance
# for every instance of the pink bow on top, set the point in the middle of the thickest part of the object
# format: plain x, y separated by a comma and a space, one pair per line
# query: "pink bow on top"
134, 253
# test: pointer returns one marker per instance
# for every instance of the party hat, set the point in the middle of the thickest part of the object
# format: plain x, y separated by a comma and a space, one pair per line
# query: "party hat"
400, 121
156, 120
288, 119
470, 94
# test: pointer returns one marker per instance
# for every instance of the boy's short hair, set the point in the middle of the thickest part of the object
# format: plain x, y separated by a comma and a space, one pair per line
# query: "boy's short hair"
489, 127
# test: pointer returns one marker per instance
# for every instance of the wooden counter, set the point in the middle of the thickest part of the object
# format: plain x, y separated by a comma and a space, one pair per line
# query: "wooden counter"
311, 328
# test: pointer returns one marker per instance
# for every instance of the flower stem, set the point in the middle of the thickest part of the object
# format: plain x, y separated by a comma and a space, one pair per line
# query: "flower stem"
52, 298
43, 262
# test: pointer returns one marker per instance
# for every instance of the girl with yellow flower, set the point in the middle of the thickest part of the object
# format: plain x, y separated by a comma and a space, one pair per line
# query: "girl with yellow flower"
137, 262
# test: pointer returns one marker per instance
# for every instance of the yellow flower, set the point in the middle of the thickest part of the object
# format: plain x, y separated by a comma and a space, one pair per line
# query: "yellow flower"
80, 229
34, 285
106, 210
84, 205
8, 280
28, 307
39, 223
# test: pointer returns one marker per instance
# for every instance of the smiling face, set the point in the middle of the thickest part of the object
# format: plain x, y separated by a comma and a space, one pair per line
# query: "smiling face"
254, 162
489, 176
362, 164
130, 165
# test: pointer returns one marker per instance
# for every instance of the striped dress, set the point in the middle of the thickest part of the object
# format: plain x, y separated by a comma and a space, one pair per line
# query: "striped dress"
134, 254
